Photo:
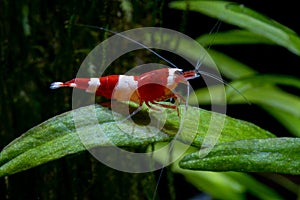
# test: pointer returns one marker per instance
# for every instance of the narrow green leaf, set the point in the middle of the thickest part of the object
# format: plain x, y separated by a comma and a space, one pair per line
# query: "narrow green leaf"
263, 94
58, 137
231, 185
254, 187
283, 181
274, 104
279, 155
290, 121
228, 188
246, 18
230, 67
273, 79
281, 105
232, 37
270, 96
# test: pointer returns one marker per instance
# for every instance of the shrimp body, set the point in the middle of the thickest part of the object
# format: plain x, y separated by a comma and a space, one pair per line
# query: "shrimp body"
150, 87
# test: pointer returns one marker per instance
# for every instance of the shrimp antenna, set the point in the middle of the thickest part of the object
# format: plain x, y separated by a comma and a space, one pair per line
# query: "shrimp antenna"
199, 72
215, 28
130, 39
224, 82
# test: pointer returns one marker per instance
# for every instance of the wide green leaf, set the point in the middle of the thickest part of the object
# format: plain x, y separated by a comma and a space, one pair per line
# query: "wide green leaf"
246, 18
60, 136
279, 155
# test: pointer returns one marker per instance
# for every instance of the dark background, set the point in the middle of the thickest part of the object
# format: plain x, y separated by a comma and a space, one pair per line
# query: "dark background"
53, 50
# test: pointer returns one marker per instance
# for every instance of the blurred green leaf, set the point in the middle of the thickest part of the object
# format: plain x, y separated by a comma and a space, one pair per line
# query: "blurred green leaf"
232, 37
273, 79
282, 180
230, 67
25, 20
268, 95
264, 95
254, 187
228, 188
231, 185
278, 155
290, 121
246, 18
126, 7
258, 89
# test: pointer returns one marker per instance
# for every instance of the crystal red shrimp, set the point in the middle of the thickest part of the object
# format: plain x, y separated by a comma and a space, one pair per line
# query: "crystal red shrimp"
150, 87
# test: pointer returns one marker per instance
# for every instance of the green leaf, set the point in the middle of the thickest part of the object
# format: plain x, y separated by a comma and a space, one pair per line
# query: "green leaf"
268, 96
58, 137
246, 18
279, 155
258, 89
254, 187
230, 67
264, 94
289, 120
273, 79
231, 185
228, 188
231, 129
282, 180
203, 181
232, 37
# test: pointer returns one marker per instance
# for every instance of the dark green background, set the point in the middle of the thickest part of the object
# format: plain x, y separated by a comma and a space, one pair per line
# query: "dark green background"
38, 46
